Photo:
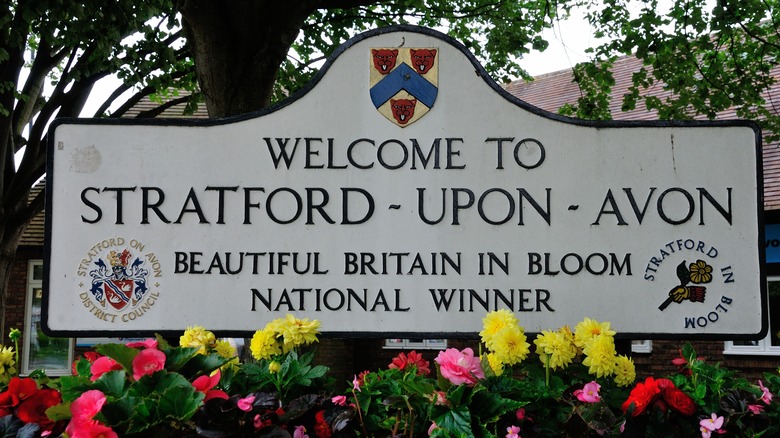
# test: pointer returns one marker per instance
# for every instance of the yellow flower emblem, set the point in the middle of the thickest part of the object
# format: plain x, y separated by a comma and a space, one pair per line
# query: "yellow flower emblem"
701, 272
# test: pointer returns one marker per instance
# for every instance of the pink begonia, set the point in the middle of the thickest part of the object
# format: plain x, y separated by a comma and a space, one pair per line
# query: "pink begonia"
520, 414
589, 393
713, 423
245, 404
755, 409
89, 429
102, 365
766, 396
300, 432
705, 433
340, 400
460, 367
148, 362
432, 428
146, 343
441, 398
205, 384
83, 410
87, 405
512, 432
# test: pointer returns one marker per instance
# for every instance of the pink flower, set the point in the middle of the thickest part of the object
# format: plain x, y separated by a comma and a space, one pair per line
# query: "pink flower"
340, 400
102, 365
441, 398
766, 397
300, 432
460, 367
432, 428
512, 432
245, 404
146, 343
356, 384
87, 405
589, 393
755, 409
705, 433
89, 429
205, 384
520, 414
712, 424
148, 362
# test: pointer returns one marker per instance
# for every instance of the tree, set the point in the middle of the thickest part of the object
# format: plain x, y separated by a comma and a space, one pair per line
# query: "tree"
51, 55
709, 59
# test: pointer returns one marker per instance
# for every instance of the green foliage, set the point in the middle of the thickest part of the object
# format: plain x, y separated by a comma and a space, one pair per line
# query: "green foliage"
708, 60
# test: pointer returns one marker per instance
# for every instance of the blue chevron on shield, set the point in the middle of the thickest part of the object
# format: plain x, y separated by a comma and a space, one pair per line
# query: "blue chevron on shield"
404, 82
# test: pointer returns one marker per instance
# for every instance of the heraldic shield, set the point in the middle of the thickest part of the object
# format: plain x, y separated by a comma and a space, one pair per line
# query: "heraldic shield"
404, 82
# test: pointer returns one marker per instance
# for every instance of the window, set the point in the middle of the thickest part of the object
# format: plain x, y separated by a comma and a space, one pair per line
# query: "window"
54, 355
420, 344
769, 346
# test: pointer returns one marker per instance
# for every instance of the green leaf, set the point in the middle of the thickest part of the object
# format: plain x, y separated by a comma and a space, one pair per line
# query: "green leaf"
72, 387
178, 357
59, 412
112, 383
122, 354
457, 421
179, 403
201, 364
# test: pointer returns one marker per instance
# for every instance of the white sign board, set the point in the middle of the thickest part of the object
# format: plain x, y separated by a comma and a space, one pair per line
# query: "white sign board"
404, 193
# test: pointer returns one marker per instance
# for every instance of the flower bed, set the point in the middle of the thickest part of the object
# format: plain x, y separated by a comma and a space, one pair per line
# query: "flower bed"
572, 384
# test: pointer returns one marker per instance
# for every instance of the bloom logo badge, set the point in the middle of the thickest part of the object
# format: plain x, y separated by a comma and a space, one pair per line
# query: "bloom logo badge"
704, 277
695, 274
404, 82
119, 290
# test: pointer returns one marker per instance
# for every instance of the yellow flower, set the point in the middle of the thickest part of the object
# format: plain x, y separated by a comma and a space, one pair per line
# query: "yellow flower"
555, 349
701, 272
198, 336
600, 355
227, 350
625, 372
7, 364
510, 345
297, 332
264, 345
495, 364
274, 367
494, 322
587, 329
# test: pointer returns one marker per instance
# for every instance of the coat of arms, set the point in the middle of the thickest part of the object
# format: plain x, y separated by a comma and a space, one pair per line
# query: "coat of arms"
404, 82
122, 284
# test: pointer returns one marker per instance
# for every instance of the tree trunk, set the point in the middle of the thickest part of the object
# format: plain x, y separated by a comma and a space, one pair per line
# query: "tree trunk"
9, 242
238, 47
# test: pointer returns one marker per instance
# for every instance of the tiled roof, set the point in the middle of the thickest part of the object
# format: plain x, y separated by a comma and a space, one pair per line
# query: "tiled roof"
553, 90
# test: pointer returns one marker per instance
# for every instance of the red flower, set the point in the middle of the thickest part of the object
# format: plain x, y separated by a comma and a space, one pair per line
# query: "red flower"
642, 396
6, 404
89, 356
679, 401
20, 389
205, 384
33, 409
321, 427
414, 358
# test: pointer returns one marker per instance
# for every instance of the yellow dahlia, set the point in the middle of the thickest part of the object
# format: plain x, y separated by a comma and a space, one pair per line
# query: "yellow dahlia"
625, 372
264, 345
494, 322
600, 355
298, 332
495, 364
510, 346
7, 364
555, 349
198, 336
588, 328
